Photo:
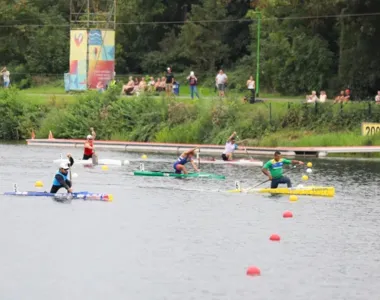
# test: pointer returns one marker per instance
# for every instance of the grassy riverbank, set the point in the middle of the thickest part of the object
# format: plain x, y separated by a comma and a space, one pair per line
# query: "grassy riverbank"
209, 120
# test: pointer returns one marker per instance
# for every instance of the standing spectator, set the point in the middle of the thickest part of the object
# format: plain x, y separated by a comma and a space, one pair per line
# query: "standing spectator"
6, 77
193, 81
221, 82
377, 98
169, 82
251, 85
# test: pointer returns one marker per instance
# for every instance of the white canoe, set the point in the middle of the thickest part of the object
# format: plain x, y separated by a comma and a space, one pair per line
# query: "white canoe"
241, 162
111, 162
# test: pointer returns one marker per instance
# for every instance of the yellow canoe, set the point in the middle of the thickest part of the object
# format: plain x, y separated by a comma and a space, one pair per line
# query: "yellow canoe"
307, 191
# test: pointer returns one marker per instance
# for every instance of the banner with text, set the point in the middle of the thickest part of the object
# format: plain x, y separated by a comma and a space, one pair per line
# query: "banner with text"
101, 60
78, 60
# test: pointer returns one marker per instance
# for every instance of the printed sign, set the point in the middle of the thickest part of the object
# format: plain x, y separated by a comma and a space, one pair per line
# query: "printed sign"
370, 128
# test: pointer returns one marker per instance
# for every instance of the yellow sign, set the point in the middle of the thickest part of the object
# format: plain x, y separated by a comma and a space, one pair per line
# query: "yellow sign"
370, 128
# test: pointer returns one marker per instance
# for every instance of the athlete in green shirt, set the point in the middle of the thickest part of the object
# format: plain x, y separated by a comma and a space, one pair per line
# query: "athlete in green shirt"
273, 169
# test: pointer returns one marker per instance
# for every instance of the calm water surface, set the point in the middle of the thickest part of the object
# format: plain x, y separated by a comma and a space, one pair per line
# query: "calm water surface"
165, 238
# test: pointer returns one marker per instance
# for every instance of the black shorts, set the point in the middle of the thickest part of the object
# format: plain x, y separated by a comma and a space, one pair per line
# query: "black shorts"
85, 156
224, 157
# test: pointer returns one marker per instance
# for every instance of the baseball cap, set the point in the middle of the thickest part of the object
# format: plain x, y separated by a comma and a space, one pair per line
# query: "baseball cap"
64, 166
89, 137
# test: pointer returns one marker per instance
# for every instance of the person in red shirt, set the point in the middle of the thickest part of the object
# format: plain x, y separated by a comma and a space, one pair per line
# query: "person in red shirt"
89, 150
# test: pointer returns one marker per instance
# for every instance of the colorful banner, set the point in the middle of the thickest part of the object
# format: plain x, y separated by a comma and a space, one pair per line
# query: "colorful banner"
78, 60
101, 57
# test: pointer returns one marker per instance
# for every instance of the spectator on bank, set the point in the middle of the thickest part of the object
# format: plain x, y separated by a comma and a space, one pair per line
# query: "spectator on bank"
323, 97
100, 87
157, 85
151, 85
193, 81
340, 98
6, 77
347, 95
377, 98
163, 84
129, 87
169, 82
142, 85
221, 80
312, 98
251, 86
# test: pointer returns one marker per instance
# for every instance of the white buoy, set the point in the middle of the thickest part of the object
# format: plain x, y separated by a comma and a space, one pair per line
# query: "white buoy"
309, 171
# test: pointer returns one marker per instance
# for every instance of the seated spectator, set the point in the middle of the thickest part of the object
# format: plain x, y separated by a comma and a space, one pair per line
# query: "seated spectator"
136, 89
377, 98
347, 95
142, 85
312, 98
323, 97
340, 98
163, 84
129, 87
157, 85
151, 85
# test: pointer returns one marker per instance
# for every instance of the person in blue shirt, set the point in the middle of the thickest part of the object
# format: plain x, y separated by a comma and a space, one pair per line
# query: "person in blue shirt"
61, 179
185, 157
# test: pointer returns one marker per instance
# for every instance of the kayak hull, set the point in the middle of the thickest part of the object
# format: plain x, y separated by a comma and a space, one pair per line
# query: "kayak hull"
173, 174
111, 162
82, 195
240, 162
306, 191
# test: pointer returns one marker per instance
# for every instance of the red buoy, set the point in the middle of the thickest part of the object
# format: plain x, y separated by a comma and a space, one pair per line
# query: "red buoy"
253, 271
274, 237
287, 214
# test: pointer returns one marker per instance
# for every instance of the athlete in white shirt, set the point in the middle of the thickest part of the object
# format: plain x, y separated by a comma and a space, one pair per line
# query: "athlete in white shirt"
230, 148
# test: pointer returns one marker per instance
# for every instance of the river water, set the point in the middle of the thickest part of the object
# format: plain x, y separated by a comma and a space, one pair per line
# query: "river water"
165, 238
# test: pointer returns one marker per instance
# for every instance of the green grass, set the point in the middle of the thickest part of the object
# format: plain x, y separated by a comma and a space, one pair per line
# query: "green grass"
314, 139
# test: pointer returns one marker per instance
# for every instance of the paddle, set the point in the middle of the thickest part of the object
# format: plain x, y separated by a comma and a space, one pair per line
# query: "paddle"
199, 158
245, 148
248, 189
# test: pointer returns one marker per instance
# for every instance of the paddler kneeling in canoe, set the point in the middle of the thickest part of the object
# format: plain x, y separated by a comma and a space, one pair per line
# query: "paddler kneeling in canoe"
187, 156
273, 169
89, 150
230, 147
61, 179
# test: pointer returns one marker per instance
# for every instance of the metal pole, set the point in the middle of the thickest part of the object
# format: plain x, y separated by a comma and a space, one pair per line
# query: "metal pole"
88, 14
258, 54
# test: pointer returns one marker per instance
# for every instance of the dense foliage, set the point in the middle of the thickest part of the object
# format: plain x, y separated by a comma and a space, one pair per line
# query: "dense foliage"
157, 119
305, 44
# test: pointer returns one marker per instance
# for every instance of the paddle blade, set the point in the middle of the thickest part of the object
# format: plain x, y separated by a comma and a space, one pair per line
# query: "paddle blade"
234, 191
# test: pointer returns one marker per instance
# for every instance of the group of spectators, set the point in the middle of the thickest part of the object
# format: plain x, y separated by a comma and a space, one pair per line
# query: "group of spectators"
140, 85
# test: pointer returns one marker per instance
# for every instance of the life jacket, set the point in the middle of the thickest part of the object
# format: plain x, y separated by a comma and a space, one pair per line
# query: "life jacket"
56, 182
88, 151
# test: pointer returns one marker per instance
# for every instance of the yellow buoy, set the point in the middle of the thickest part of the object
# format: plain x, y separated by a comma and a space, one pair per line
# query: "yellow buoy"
39, 184
104, 168
293, 198
305, 178
309, 165
110, 198
144, 156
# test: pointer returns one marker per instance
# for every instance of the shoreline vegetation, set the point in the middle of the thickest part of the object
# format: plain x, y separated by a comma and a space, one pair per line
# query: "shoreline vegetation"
182, 120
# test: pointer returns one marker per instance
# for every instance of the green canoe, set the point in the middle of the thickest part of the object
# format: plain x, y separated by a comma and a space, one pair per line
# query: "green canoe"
173, 174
